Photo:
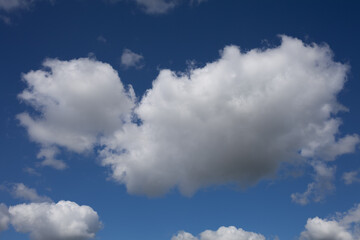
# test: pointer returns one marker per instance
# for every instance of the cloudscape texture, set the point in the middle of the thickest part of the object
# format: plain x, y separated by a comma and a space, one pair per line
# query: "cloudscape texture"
179, 120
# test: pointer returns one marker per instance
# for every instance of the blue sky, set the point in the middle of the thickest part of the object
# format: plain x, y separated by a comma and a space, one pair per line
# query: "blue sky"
179, 120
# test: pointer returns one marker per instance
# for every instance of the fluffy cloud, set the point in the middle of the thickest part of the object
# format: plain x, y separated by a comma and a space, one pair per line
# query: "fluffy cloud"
234, 120
322, 186
184, 236
77, 101
46, 220
50, 221
131, 59
344, 227
223, 233
4, 217
319, 229
19, 190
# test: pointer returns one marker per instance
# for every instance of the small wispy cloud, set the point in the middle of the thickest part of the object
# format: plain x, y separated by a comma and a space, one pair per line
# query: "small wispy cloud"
21, 191
101, 38
323, 185
31, 171
156, 7
5, 19
11, 5
131, 59
351, 177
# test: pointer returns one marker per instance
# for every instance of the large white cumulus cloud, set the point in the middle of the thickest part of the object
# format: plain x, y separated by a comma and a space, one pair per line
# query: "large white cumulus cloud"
223, 233
55, 221
234, 120
78, 101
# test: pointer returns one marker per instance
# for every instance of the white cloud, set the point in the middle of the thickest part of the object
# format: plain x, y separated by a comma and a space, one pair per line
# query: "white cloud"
184, 236
223, 233
323, 185
46, 220
131, 59
4, 217
64, 220
344, 227
77, 101
351, 177
319, 229
324, 143
234, 120
19, 190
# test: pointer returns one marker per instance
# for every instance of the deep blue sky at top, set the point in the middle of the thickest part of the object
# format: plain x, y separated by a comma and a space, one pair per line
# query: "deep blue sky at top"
69, 29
